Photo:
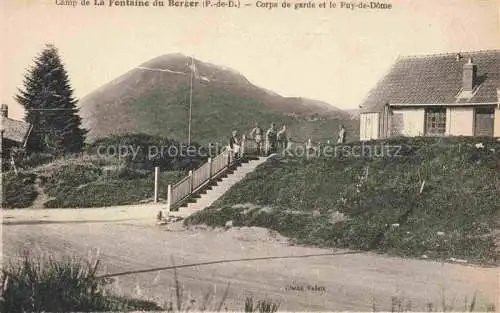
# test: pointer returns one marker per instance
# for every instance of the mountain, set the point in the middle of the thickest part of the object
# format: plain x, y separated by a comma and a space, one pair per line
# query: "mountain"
153, 98
354, 113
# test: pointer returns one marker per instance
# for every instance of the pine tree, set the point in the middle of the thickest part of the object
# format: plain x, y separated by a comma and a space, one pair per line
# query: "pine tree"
50, 106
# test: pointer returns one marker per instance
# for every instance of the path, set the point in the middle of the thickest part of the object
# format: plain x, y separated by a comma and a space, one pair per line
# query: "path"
41, 198
129, 240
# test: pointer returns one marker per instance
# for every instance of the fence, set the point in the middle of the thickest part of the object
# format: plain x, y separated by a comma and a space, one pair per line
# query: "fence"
198, 178
214, 167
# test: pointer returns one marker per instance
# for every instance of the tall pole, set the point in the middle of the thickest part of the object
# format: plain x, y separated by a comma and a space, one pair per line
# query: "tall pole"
190, 101
1, 161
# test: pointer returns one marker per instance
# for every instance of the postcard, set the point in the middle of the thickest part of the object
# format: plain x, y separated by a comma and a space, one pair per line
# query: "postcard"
250, 155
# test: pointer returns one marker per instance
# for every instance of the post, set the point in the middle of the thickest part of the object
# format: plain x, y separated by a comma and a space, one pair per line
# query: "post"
157, 174
210, 168
169, 197
190, 101
190, 181
1, 147
1, 164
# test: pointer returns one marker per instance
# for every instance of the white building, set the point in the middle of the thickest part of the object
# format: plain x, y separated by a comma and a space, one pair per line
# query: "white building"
436, 95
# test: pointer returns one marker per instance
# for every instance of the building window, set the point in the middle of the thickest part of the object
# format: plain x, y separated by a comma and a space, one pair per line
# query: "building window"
484, 121
435, 121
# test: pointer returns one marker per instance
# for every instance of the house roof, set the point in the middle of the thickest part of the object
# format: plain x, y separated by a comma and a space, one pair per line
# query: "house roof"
15, 130
435, 79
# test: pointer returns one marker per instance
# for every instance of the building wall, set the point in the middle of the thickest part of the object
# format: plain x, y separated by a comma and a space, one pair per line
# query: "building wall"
412, 121
369, 126
460, 121
496, 131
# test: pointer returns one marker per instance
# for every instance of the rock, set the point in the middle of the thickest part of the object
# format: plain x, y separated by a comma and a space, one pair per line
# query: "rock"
457, 260
163, 220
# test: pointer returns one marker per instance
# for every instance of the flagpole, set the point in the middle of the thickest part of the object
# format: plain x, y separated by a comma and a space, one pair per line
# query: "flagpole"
190, 101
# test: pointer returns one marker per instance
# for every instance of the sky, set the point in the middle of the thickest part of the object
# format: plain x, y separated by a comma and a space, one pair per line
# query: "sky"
332, 55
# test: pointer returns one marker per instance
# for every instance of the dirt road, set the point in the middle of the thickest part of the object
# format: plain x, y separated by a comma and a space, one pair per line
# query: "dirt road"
301, 278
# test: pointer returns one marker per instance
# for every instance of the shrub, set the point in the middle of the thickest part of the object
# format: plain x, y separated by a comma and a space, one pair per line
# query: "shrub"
150, 154
34, 159
119, 188
18, 191
69, 177
39, 285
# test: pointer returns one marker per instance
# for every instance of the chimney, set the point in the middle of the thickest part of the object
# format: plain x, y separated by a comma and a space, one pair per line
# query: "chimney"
469, 76
4, 110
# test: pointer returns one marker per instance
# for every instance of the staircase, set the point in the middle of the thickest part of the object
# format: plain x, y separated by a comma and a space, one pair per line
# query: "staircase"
206, 184
218, 187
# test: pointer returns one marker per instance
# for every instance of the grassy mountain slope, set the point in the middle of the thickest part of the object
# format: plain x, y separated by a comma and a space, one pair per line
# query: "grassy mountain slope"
376, 202
154, 99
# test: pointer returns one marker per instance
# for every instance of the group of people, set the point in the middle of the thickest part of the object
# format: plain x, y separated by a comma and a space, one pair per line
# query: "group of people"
272, 141
267, 143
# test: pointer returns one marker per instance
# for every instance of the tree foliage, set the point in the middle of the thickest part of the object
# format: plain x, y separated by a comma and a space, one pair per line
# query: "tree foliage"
50, 106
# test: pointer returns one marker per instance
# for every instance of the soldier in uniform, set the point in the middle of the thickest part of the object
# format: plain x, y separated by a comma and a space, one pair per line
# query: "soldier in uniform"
341, 135
257, 135
271, 138
234, 144
282, 138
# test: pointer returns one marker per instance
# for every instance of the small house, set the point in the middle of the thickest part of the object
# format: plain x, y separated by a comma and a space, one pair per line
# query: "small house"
435, 95
13, 133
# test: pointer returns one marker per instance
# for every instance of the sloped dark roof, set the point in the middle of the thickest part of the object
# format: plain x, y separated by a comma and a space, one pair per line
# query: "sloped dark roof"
15, 130
435, 79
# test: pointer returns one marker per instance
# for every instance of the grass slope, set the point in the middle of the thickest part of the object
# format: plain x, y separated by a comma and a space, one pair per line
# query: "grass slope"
374, 202
94, 179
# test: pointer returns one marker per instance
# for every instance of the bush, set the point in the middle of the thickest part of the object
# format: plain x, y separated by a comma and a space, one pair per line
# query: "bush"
34, 159
150, 154
18, 190
39, 285
121, 188
69, 177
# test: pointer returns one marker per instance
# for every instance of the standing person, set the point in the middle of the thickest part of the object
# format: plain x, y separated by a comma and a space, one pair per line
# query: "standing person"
341, 135
282, 138
257, 135
271, 139
235, 143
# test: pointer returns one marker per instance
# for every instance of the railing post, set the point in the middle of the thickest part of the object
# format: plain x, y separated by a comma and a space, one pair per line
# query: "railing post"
169, 197
190, 181
157, 172
210, 168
